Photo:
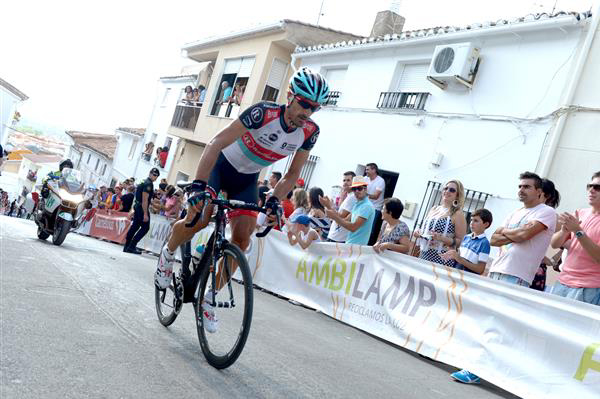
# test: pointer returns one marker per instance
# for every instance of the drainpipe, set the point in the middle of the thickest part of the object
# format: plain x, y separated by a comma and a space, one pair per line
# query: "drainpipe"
570, 93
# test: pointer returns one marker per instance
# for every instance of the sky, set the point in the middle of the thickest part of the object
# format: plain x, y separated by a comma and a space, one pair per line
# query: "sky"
94, 66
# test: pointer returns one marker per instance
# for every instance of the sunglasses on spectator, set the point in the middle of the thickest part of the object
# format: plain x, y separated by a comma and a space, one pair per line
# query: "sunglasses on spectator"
306, 104
596, 187
451, 189
360, 188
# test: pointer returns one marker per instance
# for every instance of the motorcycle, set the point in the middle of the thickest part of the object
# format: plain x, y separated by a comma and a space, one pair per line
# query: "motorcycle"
63, 208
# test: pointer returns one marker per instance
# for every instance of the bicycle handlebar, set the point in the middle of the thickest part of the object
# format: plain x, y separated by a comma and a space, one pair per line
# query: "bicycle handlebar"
229, 204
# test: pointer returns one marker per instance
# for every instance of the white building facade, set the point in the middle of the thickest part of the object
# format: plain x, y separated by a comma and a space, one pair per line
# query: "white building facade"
93, 154
127, 153
386, 110
34, 169
169, 92
10, 97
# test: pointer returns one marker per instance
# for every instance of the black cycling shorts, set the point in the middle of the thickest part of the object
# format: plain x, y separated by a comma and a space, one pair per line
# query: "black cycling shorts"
238, 186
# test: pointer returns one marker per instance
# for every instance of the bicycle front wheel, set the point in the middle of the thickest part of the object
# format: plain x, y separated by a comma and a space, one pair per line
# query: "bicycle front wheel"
233, 310
168, 301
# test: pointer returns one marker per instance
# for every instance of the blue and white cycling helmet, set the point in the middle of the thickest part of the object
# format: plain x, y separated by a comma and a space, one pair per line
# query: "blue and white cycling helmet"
310, 85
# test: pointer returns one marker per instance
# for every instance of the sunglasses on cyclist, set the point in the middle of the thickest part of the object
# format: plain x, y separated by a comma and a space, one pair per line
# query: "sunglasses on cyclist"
596, 187
359, 188
307, 104
451, 189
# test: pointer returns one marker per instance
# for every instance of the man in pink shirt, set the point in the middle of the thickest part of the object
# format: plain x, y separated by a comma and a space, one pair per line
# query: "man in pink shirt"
525, 235
580, 277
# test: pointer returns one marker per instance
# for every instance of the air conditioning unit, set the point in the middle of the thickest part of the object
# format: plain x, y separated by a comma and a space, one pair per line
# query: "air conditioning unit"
454, 65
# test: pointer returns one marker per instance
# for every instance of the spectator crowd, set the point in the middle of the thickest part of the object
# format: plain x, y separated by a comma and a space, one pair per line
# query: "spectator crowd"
447, 236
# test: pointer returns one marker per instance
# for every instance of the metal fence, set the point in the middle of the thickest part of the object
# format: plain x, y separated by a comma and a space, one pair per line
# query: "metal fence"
186, 116
307, 169
433, 196
334, 96
402, 100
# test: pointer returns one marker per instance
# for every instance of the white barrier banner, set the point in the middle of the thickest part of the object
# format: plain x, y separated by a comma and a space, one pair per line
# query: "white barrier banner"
532, 344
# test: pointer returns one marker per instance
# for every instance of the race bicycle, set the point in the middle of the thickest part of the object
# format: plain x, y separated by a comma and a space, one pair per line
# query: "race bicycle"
221, 264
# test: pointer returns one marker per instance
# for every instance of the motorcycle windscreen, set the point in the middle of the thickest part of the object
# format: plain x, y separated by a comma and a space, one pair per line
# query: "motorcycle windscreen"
71, 180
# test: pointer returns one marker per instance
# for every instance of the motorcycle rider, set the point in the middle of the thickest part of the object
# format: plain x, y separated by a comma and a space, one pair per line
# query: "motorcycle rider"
55, 176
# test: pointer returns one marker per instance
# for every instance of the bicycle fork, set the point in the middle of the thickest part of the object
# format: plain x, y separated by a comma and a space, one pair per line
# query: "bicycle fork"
225, 269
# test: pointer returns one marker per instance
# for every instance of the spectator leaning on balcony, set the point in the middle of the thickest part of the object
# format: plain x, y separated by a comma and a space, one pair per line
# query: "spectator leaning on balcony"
337, 233
375, 191
162, 157
445, 225
361, 217
157, 158
580, 276
189, 93
395, 235
238, 94
226, 93
525, 235
148, 151
202, 91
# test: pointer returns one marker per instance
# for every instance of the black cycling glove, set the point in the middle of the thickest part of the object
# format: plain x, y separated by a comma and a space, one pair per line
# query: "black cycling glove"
198, 186
272, 204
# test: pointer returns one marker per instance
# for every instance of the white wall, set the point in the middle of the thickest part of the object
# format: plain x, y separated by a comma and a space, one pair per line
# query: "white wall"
124, 165
577, 155
90, 174
8, 104
519, 77
159, 123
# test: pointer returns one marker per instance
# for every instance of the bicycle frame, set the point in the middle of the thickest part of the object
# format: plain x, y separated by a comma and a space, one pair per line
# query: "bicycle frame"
214, 248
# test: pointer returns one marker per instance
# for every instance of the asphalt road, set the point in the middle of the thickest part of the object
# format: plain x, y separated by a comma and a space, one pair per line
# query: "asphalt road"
78, 321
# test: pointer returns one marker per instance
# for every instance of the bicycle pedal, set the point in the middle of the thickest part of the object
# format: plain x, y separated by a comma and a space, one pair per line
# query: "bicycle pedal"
227, 304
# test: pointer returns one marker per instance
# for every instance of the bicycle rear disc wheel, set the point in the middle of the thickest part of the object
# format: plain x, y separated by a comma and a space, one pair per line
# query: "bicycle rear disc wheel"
170, 300
234, 309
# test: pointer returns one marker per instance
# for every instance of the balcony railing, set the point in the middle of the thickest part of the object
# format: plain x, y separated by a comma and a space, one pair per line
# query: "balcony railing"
402, 100
334, 96
186, 114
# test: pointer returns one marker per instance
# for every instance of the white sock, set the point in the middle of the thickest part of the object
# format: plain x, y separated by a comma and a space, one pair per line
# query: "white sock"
168, 253
209, 296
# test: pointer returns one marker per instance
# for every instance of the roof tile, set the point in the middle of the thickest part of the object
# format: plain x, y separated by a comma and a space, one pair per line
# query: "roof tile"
105, 144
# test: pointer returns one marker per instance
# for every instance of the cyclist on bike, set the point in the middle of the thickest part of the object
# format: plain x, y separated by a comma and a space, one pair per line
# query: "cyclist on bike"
231, 162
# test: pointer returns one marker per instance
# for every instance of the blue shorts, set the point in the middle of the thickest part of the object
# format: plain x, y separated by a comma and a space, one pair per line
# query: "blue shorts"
507, 278
587, 295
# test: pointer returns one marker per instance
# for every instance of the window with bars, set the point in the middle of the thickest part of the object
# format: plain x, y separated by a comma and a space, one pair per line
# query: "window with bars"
433, 196
307, 169
409, 88
336, 77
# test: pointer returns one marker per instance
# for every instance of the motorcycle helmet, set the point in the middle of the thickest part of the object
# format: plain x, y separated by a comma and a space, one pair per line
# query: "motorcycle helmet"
310, 85
65, 164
